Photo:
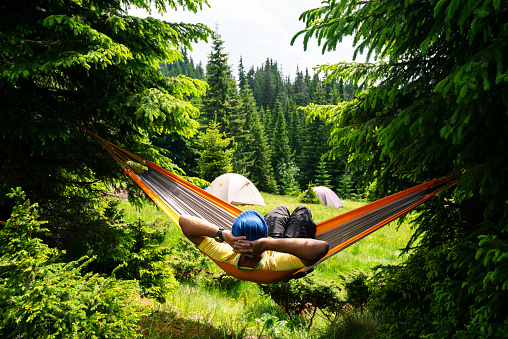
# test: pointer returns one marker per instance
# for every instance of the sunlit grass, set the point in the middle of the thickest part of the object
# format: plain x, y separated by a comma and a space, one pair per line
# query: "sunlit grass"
236, 310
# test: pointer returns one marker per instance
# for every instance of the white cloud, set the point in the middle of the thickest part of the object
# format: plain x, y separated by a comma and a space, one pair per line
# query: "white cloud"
257, 30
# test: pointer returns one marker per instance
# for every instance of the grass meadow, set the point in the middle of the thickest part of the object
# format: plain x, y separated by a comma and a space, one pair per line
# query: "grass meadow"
197, 311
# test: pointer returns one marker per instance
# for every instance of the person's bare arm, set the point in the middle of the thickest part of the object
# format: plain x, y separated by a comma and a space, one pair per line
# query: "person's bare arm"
308, 250
196, 229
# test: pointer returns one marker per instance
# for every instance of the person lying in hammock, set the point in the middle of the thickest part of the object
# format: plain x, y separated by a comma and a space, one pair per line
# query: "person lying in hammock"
263, 250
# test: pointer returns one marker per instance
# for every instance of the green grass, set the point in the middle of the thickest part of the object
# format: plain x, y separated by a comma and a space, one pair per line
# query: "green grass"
238, 310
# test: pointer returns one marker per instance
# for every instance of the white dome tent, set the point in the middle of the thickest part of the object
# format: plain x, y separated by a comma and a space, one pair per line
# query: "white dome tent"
235, 189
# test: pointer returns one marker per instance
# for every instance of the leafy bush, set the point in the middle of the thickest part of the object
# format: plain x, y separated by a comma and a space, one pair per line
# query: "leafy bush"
221, 280
357, 290
41, 297
187, 261
305, 296
309, 196
138, 245
148, 261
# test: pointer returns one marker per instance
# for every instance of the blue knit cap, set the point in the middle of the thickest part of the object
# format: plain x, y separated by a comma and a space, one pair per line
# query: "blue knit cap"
250, 224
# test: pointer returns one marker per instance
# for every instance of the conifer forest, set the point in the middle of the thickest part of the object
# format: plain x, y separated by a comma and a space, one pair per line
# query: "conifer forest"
274, 143
430, 101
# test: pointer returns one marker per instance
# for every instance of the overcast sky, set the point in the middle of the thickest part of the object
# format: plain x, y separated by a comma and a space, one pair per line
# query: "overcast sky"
257, 30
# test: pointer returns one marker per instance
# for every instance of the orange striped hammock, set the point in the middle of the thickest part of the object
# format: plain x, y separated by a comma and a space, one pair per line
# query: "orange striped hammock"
176, 196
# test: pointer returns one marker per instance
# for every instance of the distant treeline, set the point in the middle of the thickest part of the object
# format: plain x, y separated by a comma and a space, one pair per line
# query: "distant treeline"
272, 93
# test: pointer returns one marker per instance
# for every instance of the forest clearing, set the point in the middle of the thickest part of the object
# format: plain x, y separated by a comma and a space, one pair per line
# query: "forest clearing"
238, 309
95, 99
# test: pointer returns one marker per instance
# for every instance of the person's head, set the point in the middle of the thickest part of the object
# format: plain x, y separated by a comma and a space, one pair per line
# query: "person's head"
250, 224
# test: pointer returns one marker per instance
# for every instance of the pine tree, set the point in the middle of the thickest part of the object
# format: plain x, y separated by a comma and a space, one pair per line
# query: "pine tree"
293, 127
300, 90
322, 177
64, 62
259, 169
242, 79
216, 155
251, 80
433, 105
281, 152
297, 128
315, 145
220, 101
199, 72
267, 99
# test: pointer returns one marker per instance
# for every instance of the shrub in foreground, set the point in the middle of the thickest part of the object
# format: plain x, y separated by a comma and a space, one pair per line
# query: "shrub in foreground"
303, 297
41, 297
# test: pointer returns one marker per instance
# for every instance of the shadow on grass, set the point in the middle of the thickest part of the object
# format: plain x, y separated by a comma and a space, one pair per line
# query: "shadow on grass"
168, 324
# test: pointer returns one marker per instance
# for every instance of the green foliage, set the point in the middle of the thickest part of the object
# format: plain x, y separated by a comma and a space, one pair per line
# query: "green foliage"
357, 290
42, 297
281, 152
115, 242
181, 150
220, 101
222, 104
198, 182
260, 169
286, 176
221, 280
309, 196
346, 188
148, 259
215, 158
432, 105
187, 261
271, 323
323, 178
303, 297
184, 66
315, 145
69, 61
352, 325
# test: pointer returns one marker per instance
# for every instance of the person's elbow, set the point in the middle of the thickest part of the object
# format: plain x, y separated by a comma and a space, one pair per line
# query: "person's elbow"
185, 223
320, 249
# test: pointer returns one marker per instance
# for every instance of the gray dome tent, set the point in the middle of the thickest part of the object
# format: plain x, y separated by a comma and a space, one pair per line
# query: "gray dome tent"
328, 197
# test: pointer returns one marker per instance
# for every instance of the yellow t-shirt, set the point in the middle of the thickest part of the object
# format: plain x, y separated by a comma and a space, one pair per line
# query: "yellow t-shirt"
271, 260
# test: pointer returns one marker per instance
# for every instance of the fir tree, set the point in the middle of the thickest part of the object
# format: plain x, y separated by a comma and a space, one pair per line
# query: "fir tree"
216, 155
242, 78
267, 90
432, 106
315, 145
260, 169
322, 177
220, 101
300, 90
90, 62
281, 152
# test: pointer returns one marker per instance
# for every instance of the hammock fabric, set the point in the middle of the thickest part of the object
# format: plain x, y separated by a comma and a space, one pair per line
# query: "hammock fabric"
175, 196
